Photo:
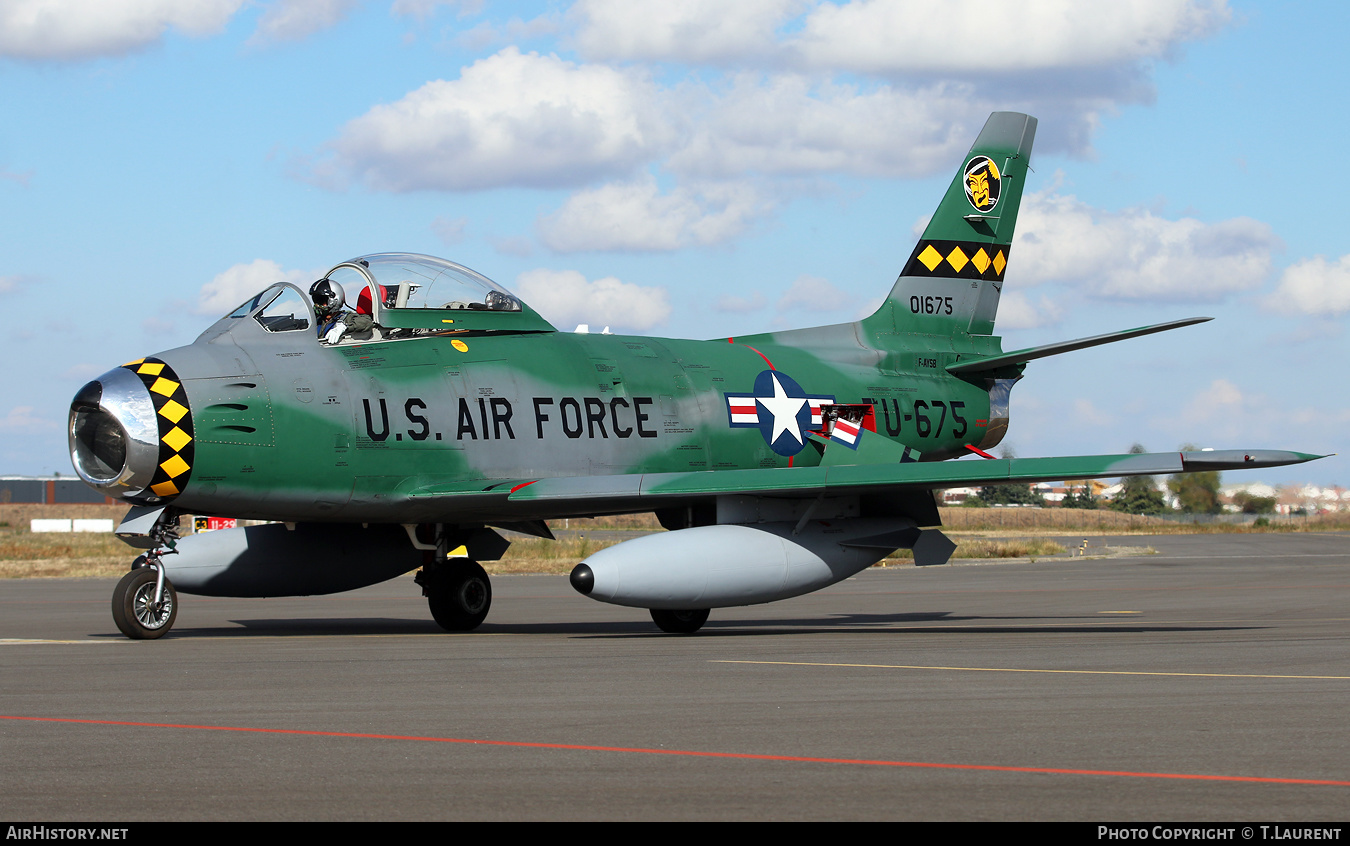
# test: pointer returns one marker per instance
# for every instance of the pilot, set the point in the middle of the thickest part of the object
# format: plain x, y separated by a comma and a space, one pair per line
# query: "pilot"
329, 298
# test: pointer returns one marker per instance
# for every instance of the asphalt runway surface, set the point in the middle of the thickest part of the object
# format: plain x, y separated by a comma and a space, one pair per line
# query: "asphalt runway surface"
1209, 681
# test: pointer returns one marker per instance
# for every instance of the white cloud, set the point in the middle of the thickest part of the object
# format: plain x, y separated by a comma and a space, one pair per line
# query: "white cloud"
510, 119
566, 299
1221, 404
637, 216
83, 372
741, 305
513, 245
83, 29
689, 31
21, 419
787, 124
1314, 286
425, 9
987, 36
891, 37
8, 283
1085, 413
294, 20
20, 179
450, 231
228, 290
815, 294
1016, 311
1135, 254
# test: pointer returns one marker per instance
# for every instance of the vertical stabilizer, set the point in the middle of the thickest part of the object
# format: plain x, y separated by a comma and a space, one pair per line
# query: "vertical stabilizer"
953, 278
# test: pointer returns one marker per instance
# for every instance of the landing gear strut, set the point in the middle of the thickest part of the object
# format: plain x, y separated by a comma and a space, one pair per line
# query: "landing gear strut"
458, 592
144, 603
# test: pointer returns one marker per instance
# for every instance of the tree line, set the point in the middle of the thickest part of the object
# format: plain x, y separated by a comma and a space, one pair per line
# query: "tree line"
1195, 493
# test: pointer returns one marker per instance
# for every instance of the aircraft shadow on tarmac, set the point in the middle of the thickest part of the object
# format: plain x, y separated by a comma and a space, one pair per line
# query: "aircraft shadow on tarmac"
938, 622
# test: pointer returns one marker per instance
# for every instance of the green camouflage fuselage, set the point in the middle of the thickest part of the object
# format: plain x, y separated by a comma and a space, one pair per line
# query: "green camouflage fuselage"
352, 433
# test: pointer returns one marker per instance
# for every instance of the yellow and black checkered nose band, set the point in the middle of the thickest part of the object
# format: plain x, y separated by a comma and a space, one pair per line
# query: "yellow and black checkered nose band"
958, 259
174, 418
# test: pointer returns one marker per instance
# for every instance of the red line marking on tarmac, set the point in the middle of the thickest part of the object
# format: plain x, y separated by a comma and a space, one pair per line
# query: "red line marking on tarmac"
739, 756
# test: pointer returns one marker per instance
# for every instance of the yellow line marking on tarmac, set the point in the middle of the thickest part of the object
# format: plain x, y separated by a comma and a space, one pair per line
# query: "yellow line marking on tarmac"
1024, 670
1119, 612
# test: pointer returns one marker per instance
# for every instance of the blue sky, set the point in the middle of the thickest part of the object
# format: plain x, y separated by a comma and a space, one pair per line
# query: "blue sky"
715, 169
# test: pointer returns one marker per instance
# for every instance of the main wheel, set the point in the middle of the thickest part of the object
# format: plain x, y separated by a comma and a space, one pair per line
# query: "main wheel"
460, 596
134, 609
679, 622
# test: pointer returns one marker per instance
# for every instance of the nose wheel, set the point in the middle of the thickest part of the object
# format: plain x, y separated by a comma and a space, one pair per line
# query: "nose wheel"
142, 608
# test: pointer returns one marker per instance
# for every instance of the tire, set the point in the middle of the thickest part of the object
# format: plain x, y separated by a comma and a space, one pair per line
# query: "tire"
132, 609
679, 622
460, 596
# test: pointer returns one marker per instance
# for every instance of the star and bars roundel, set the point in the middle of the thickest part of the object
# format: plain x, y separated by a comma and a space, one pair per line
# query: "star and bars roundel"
783, 412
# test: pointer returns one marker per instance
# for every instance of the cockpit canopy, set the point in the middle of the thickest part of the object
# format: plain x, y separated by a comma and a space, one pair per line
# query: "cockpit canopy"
405, 295
408, 280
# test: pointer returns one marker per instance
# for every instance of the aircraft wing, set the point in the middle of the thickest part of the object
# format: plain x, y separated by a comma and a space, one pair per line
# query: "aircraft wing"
647, 490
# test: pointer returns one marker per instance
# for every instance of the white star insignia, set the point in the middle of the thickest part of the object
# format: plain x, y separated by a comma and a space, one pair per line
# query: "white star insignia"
784, 410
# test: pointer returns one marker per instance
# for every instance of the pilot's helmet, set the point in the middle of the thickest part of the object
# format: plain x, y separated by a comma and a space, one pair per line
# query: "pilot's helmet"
327, 295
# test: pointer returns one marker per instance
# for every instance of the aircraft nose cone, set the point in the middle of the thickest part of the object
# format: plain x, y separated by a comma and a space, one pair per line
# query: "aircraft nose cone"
130, 433
582, 579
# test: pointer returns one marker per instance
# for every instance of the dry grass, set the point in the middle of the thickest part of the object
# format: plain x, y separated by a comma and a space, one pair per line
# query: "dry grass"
1075, 521
24, 554
974, 547
536, 555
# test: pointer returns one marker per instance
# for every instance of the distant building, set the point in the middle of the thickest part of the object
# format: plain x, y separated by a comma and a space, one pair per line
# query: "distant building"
49, 490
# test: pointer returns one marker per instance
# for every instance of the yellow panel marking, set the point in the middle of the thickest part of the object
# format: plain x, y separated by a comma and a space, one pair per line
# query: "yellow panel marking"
150, 369
981, 259
133, 363
164, 387
957, 259
447, 321
1000, 262
175, 466
177, 439
165, 488
1022, 670
460, 551
459, 345
173, 411
930, 257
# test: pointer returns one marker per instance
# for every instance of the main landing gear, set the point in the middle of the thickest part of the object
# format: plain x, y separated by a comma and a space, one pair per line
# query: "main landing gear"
458, 592
144, 603
679, 622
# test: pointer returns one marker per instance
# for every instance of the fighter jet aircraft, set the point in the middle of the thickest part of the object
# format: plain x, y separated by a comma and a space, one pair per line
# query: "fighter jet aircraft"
404, 408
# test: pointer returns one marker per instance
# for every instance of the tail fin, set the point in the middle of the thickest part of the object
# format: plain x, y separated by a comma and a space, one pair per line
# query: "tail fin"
951, 283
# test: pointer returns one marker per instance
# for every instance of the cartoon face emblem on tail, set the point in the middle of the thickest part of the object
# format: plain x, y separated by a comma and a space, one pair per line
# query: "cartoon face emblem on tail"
983, 183
784, 413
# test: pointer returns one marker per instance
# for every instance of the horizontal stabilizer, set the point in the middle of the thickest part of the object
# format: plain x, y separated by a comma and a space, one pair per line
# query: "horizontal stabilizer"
971, 366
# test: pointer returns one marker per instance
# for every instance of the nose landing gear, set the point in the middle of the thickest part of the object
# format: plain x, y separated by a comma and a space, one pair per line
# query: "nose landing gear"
144, 603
